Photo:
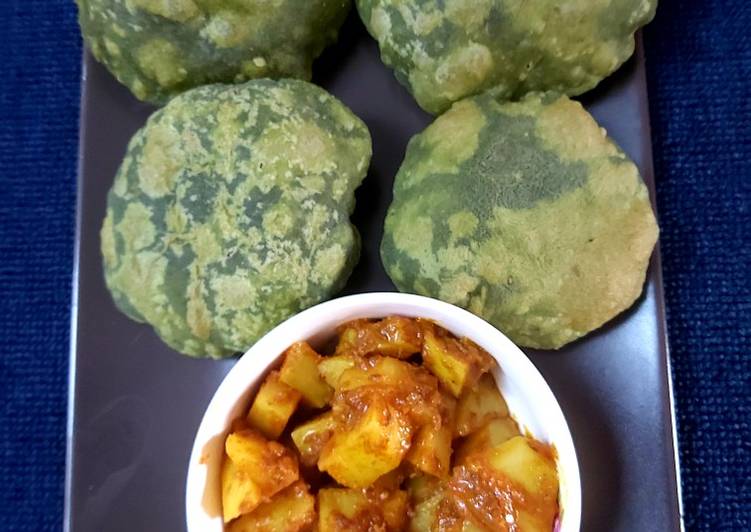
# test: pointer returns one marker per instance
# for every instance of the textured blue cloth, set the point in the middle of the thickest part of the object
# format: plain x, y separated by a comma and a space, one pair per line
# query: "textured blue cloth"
40, 60
699, 70
699, 63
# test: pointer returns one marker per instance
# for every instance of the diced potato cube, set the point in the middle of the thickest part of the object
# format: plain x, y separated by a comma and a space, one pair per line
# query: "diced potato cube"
337, 507
375, 444
458, 363
395, 508
353, 378
270, 465
430, 451
311, 436
425, 513
394, 336
291, 510
300, 371
384, 371
240, 493
403, 337
530, 521
526, 463
531, 469
331, 368
344, 510
422, 487
478, 405
412, 386
495, 432
272, 407
439, 503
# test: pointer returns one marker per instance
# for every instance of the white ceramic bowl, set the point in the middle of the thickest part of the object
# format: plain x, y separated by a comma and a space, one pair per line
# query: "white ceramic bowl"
529, 398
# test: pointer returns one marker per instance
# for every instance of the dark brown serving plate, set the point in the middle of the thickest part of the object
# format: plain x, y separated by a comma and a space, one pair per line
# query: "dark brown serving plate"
135, 404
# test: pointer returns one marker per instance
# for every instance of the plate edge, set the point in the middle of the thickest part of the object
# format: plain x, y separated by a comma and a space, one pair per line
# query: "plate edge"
659, 286
73, 334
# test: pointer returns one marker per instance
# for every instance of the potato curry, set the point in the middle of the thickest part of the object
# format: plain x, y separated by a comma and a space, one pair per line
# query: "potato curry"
401, 427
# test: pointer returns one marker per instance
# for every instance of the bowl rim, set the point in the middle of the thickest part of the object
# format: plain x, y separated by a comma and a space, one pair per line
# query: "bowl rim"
257, 360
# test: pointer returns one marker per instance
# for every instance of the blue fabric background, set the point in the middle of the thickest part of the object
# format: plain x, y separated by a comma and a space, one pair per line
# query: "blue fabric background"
699, 65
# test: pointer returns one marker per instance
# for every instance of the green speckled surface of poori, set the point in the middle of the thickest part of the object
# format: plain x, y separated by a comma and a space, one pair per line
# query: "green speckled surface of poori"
526, 214
158, 48
230, 212
444, 51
